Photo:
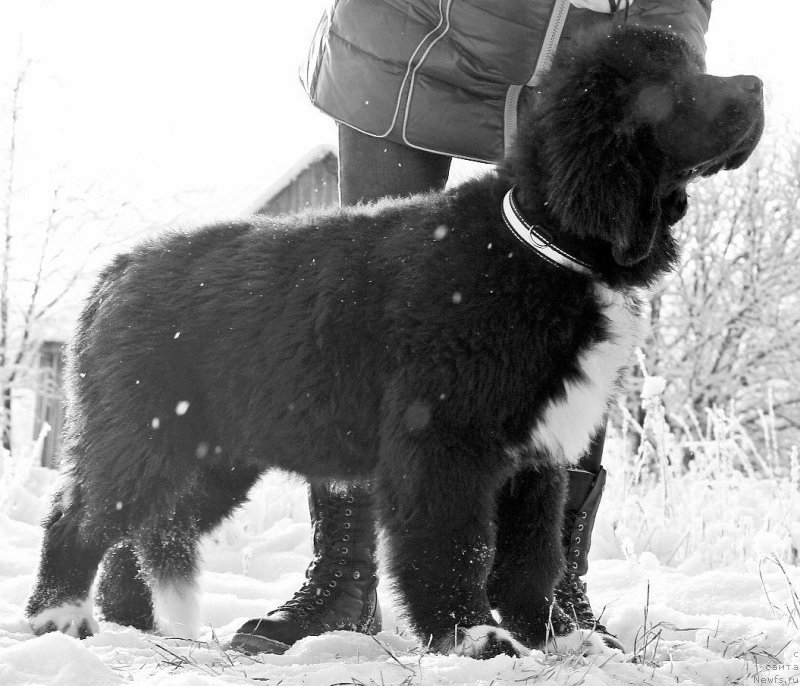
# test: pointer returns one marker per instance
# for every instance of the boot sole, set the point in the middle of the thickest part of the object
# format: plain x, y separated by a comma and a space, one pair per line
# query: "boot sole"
252, 644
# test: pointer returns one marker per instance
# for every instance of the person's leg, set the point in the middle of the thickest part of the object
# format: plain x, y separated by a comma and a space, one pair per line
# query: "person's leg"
340, 587
339, 590
372, 168
585, 485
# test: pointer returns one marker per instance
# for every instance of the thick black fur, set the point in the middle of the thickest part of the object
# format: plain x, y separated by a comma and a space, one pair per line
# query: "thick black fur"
415, 343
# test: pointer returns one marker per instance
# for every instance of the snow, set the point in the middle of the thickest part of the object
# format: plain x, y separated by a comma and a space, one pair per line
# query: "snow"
653, 386
692, 572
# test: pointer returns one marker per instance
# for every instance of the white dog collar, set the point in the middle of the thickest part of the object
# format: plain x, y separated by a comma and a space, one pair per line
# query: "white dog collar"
530, 236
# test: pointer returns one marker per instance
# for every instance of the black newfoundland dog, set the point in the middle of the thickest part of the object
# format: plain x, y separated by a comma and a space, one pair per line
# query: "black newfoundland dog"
435, 345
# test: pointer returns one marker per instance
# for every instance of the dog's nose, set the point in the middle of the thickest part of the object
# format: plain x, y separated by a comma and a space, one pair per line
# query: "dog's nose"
749, 83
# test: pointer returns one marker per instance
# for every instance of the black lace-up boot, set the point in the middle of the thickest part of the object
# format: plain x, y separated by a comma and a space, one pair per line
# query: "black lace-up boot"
583, 500
340, 587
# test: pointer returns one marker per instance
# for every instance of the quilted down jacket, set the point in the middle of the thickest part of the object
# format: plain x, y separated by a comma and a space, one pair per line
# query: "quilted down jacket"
448, 75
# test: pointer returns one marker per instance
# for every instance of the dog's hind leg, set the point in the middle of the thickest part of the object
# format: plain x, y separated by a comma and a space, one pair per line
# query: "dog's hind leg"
167, 546
436, 503
121, 592
60, 600
167, 549
529, 561
107, 494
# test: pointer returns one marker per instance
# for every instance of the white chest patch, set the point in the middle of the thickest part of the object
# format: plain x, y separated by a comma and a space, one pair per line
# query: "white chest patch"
569, 423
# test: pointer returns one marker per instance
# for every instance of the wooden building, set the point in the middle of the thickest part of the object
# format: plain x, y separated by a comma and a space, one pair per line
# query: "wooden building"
50, 399
312, 182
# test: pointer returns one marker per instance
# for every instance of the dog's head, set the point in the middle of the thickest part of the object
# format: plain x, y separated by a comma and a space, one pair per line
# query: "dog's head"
623, 122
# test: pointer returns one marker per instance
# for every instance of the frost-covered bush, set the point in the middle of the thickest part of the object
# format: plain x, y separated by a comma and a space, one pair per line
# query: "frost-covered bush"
697, 492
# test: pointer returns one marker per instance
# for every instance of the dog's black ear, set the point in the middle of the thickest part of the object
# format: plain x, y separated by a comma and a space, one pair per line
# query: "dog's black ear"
635, 233
604, 187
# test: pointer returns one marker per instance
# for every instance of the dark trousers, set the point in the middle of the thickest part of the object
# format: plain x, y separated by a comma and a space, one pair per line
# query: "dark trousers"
372, 168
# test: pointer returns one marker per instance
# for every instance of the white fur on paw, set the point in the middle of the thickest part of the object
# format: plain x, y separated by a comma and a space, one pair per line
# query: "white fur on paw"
74, 619
177, 609
580, 641
473, 641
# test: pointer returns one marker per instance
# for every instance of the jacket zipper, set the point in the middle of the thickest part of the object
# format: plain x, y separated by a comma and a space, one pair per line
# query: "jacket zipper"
554, 27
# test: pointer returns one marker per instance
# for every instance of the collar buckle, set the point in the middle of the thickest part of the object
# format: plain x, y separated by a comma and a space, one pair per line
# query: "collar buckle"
539, 237
540, 240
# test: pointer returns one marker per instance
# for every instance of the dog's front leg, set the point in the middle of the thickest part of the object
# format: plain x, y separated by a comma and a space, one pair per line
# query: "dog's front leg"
529, 561
436, 500
530, 557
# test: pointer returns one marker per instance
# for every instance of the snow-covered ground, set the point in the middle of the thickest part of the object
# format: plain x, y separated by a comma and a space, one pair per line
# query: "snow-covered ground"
683, 565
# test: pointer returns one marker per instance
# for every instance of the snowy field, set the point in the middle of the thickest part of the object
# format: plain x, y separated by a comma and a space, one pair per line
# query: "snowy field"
694, 571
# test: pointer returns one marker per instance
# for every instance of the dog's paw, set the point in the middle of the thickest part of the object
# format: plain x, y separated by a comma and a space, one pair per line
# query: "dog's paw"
74, 619
580, 642
484, 642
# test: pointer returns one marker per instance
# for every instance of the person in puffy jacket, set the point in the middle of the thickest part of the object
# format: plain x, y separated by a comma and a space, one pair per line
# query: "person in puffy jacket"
412, 84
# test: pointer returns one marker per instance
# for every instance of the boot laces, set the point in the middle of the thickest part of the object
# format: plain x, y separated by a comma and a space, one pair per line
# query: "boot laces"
332, 544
